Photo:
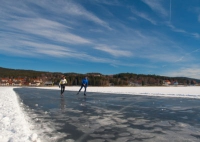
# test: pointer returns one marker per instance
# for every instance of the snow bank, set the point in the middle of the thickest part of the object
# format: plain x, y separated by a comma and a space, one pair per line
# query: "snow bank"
172, 91
13, 126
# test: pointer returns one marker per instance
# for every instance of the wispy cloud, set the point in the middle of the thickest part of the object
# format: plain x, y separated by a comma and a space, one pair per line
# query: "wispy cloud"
47, 29
32, 49
192, 72
186, 57
143, 16
12, 10
77, 10
197, 50
146, 17
165, 57
25, 47
36, 49
178, 30
106, 2
156, 6
180, 59
21, 19
196, 10
196, 35
58, 8
113, 51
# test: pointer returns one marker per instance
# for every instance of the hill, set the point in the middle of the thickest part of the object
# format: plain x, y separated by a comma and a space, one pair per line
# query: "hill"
96, 79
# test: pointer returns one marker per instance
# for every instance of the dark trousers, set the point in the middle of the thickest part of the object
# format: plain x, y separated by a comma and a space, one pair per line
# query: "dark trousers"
82, 87
62, 88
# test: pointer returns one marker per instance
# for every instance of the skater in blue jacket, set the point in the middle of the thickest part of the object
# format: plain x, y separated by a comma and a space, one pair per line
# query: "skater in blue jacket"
84, 84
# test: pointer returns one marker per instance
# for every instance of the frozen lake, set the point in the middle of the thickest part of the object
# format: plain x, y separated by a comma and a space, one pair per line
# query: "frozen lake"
108, 117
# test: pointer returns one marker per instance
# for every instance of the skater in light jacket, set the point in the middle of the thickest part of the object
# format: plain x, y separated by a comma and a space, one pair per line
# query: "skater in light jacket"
62, 84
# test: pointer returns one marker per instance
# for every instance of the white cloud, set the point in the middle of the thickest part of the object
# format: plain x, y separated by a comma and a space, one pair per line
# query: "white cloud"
178, 30
48, 29
19, 47
156, 6
78, 10
180, 59
114, 52
192, 72
14, 9
196, 35
197, 50
35, 49
113, 2
32, 49
144, 16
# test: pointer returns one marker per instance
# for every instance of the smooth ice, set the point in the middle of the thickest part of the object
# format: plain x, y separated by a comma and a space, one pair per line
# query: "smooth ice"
108, 117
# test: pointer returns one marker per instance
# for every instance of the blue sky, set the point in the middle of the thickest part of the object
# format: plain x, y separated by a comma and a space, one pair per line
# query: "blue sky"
159, 37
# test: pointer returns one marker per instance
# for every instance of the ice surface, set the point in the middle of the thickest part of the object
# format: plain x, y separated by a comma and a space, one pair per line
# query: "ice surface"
108, 114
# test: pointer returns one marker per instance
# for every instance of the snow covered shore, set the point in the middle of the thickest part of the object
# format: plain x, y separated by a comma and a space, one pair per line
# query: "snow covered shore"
15, 128
182, 91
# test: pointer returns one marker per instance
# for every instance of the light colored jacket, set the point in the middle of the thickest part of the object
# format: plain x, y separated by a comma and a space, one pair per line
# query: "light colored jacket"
63, 81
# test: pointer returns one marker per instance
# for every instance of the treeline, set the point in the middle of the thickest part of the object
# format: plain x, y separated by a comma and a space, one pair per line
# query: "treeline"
126, 79
17, 73
96, 79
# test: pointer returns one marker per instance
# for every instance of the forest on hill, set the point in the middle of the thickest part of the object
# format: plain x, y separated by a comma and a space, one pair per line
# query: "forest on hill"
96, 79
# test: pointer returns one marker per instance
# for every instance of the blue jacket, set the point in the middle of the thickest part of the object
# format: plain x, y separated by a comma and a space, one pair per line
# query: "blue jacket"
85, 81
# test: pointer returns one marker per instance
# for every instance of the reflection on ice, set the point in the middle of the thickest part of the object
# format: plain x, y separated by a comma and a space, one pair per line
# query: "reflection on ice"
108, 117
